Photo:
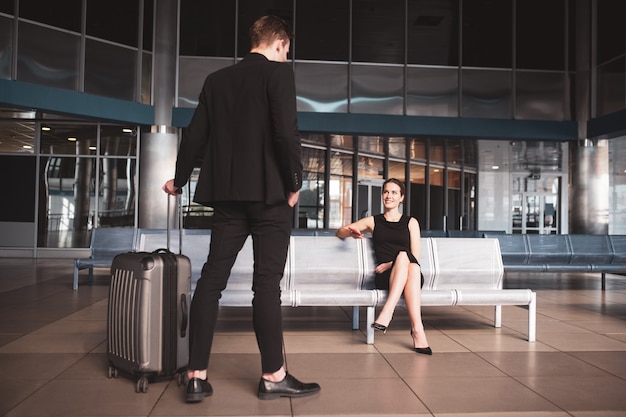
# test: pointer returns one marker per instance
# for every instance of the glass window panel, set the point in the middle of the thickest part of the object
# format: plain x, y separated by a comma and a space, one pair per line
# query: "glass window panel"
250, 10
148, 25
110, 70
105, 21
611, 41
377, 89
397, 169
433, 32
322, 87
487, 33
486, 94
191, 75
540, 37
378, 31
7, 6
611, 87
116, 195
371, 168
48, 57
342, 141
64, 14
17, 137
68, 184
146, 78
432, 92
418, 149
68, 139
454, 179
311, 202
540, 95
316, 138
207, 28
436, 176
6, 47
397, 147
341, 164
118, 140
372, 144
437, 152
340, 199
454, 151
329, 44
418, 174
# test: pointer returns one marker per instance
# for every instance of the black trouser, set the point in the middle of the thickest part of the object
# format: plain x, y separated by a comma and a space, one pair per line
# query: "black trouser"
270, 227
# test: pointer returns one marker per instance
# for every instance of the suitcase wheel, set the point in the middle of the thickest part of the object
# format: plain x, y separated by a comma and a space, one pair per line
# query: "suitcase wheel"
181, 379
112, 372
142, 385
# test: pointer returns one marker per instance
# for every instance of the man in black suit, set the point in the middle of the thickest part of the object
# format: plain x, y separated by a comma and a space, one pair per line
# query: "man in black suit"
245, 131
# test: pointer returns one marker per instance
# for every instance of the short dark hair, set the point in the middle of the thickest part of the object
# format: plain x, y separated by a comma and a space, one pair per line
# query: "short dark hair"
397, 182
267, 29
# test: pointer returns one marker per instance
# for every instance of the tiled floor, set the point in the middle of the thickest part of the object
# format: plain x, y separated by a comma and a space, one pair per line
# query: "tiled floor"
52, 356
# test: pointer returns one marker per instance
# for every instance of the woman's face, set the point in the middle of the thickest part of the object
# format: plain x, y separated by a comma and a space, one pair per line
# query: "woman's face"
392, 196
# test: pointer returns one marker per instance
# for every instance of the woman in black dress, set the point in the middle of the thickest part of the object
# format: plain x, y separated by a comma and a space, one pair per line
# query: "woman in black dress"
396, 240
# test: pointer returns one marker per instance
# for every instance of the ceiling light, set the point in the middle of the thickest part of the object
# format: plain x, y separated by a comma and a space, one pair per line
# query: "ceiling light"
72, 139
27, 147
127, 130
45, 128
495, 167
92, 148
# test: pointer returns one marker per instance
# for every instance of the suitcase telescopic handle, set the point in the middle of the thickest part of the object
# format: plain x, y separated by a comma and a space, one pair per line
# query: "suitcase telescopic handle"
180, 221
184, 307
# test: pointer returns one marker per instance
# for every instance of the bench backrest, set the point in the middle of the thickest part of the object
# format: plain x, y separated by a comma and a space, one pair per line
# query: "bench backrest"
467, 263
106, 242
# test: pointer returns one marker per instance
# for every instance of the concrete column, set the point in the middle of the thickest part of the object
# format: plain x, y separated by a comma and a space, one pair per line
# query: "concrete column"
158, 149
589, 158
589, 190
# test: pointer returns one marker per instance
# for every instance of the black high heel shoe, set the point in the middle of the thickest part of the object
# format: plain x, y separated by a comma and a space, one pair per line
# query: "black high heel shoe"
379, 327
423, 351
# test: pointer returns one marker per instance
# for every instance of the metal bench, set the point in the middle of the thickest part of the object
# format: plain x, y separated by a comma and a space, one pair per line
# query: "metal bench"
105, 244
323, 270
563, 253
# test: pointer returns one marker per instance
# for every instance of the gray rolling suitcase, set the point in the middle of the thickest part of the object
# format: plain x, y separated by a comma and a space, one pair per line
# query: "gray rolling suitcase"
147, 320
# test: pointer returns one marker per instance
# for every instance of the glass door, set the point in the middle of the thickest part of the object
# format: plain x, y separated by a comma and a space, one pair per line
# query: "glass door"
534, 205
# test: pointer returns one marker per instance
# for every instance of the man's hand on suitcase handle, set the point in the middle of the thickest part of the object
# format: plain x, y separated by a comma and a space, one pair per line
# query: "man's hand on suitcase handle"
171, 189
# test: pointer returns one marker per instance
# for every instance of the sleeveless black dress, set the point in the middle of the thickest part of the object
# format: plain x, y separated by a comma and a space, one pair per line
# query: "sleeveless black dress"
390, 238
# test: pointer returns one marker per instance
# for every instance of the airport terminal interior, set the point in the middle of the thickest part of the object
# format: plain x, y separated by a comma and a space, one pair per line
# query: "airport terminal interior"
500, 116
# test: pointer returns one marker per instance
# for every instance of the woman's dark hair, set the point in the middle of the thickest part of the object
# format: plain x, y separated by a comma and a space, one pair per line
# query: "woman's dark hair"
397, 182
267, 29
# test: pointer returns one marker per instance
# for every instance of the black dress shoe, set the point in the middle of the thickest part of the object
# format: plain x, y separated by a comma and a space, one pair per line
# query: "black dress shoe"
379, 327
425, 351
288, 387
197, 389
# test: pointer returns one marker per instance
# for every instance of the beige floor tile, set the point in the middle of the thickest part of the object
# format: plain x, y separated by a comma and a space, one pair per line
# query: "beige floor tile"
540, 364
477, 395
582, 342
413, 365
589, 393
612, 362
499, 342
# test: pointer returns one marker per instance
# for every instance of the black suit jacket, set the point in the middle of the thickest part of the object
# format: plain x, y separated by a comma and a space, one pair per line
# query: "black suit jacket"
245, 132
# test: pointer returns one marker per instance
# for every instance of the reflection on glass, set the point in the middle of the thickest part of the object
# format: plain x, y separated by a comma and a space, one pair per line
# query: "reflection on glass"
377, 89
342, 141
418, 149
316, 138
68, 139
17, 137
191, 75
539, 95
370, 168
48, 57
372, 144
486, 94
340, 190
436, 176
110, 70
454, 179
322, 87
437, 152
397, 147
418, 174
432, 92
397, 170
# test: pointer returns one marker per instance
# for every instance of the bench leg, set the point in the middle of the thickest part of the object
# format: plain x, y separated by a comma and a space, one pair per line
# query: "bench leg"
497, 316
368, 327
75, 285
355, 317
603, 281
90, 276
532, 318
